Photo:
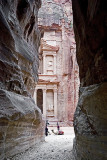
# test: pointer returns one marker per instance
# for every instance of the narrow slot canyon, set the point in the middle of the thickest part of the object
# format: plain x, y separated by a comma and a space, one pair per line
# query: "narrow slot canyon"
53, 80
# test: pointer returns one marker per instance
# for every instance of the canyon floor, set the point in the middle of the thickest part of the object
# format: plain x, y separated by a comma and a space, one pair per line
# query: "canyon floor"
57, 147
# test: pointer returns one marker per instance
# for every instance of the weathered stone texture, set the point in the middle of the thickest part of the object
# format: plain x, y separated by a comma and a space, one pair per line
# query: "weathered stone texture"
20, 119
90, 120
91, 123
91, 38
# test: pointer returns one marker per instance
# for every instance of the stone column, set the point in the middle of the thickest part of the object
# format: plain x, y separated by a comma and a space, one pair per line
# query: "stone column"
44, 64
35, 96
54, 63
55, 103
44, 102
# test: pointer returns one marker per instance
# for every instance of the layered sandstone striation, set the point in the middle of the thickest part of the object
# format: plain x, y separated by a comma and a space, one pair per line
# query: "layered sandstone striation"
90, 121
20, 119
55, 21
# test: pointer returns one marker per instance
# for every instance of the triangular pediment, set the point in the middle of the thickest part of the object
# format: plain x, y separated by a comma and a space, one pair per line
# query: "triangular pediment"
47, 47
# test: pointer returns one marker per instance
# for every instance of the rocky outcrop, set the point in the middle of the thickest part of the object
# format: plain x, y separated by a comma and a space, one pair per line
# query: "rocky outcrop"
90, 120
91, 123
20, 119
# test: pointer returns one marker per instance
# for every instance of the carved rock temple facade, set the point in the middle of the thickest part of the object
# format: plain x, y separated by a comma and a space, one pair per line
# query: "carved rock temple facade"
47, 88
56, 93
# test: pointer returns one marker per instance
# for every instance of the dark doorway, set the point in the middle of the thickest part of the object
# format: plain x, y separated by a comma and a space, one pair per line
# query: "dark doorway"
40, 99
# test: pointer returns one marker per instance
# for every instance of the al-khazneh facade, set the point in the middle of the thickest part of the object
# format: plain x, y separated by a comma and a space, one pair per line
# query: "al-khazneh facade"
56, 93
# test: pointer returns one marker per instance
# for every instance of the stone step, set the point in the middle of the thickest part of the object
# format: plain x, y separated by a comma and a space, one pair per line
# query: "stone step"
54, 124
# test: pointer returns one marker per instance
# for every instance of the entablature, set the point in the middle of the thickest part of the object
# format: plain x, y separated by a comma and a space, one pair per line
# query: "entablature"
47, 47
48, 79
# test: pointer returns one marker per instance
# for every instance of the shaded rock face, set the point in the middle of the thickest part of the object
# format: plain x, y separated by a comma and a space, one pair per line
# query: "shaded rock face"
91, 38
20, 119
90, 124
90, 120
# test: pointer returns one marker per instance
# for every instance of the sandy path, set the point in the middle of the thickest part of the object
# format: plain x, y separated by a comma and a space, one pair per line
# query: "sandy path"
57, 147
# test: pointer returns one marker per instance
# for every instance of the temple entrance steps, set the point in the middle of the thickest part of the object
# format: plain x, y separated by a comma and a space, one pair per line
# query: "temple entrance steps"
52, 122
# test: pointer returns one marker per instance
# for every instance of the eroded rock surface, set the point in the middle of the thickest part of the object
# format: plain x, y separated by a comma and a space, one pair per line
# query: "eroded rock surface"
90, 120
91, 124
20, 119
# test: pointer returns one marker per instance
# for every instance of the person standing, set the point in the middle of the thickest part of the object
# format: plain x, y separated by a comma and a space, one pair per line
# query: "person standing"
57, 126
46, 130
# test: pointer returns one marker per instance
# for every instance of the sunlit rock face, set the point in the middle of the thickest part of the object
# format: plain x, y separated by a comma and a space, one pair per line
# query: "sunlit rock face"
55, 21
90, 121
20, 119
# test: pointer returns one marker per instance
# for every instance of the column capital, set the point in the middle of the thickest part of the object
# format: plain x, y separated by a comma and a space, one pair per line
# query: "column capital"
44, 90
54, 55
55, 90
44, 55
36, 89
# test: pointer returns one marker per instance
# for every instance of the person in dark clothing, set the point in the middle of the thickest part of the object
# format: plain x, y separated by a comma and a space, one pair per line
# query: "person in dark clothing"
46, 130
57, 126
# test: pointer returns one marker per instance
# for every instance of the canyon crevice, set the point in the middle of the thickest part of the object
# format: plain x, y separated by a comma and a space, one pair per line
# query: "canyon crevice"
58, 69
90, 119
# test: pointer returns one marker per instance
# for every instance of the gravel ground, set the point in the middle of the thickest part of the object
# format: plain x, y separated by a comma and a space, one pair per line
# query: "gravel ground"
55, 147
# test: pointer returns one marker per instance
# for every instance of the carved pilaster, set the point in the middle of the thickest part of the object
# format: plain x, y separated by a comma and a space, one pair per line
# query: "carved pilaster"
55, 103
44, 64
44, 102
54, 63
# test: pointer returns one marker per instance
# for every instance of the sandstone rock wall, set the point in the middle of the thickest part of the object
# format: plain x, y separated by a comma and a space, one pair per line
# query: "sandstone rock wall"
20, 119
90, 120
56, 16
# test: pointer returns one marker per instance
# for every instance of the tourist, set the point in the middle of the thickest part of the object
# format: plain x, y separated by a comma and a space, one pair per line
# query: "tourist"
46, 130
57, 126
